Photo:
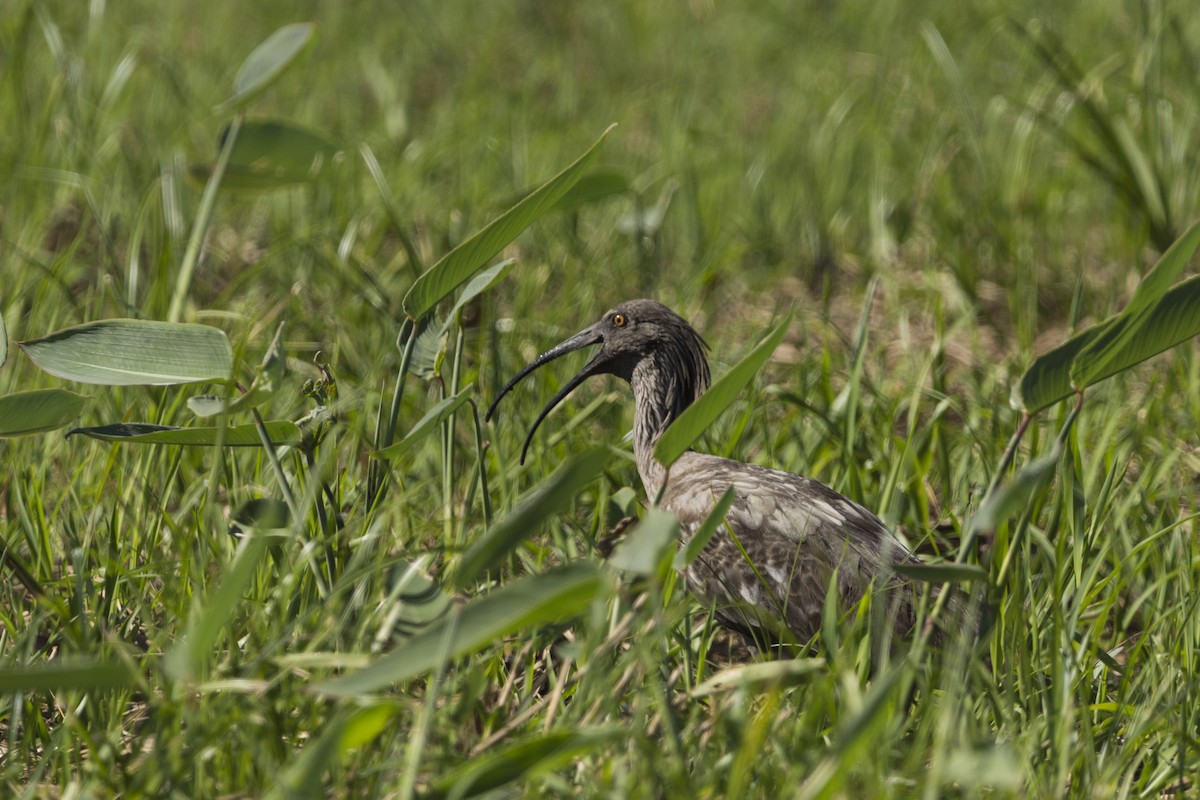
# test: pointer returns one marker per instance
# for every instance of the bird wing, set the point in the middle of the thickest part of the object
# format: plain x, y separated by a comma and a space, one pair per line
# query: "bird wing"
786, 539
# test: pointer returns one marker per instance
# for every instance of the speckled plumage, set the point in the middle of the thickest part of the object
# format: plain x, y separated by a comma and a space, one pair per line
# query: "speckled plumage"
798, 535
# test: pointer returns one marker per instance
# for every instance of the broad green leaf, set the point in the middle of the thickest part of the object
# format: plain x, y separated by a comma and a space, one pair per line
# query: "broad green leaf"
550, 497
942, 573
465, 260
186, 659
281, 432
133, 352
71, 674
268, 61
642, 549
763, 676
349, 729
688, 427
1139, 318
524, 760
37, 411
712, 523
270, 154
262, 513
552, 596
427, 424
1174, 319
3, 342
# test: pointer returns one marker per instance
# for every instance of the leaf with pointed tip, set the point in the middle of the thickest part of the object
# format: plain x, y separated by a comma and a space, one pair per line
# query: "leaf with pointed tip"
689, 425
642, 550
1174, 319
550, 497
268, 61
1011, 497
281, 432
552, 596
271, 154
465, 260
524, 760
37, 411
134, 352
427, 424
73, 674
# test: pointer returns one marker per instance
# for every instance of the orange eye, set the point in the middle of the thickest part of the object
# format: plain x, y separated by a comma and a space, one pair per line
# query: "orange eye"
619, 320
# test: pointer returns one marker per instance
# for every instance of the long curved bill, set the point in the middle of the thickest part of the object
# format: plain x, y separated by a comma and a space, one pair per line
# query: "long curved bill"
585, 338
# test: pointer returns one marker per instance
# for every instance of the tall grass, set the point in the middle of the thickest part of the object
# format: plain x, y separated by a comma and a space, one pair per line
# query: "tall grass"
799, 151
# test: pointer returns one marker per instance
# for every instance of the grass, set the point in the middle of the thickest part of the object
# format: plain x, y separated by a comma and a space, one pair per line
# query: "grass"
802, 152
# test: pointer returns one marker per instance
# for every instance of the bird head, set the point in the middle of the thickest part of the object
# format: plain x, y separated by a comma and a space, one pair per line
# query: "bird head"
628, 335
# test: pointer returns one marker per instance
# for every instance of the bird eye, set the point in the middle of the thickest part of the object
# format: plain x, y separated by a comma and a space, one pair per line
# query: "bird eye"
619, 320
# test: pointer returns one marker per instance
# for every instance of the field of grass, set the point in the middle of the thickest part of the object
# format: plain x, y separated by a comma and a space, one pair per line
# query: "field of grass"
941, 192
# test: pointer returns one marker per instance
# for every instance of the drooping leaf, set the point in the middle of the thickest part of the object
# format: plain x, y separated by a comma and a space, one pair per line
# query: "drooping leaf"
643, 548
37, 411
186, 659
550, 497
549, 597
465, 260
688, 427
134, 352
268, 61
427, 424
281, 432
74, 674
1174, 319
524, 760
271, 154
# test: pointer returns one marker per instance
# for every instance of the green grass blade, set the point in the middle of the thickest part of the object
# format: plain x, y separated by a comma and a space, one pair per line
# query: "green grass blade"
38, 411
267, 62
524, 760
427, 424
3, 342
761, 677
704, 533
78, 674
350, 729
465, 260
641, 552
133, 352
533, 600
282, 432
187, 658
550, 497
685, 430
941, 573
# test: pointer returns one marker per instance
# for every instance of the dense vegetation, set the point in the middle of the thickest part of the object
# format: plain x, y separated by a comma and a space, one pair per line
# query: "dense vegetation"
940, 194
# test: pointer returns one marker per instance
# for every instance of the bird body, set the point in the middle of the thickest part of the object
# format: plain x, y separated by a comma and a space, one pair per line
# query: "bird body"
786, 538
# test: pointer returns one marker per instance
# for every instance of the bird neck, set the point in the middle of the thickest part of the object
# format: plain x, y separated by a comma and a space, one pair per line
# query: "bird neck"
658, 401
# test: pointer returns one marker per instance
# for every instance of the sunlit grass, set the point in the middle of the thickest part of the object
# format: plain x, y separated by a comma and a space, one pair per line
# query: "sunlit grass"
798, 150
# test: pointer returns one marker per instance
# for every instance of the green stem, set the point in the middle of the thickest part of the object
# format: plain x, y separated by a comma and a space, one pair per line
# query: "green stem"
191, 256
